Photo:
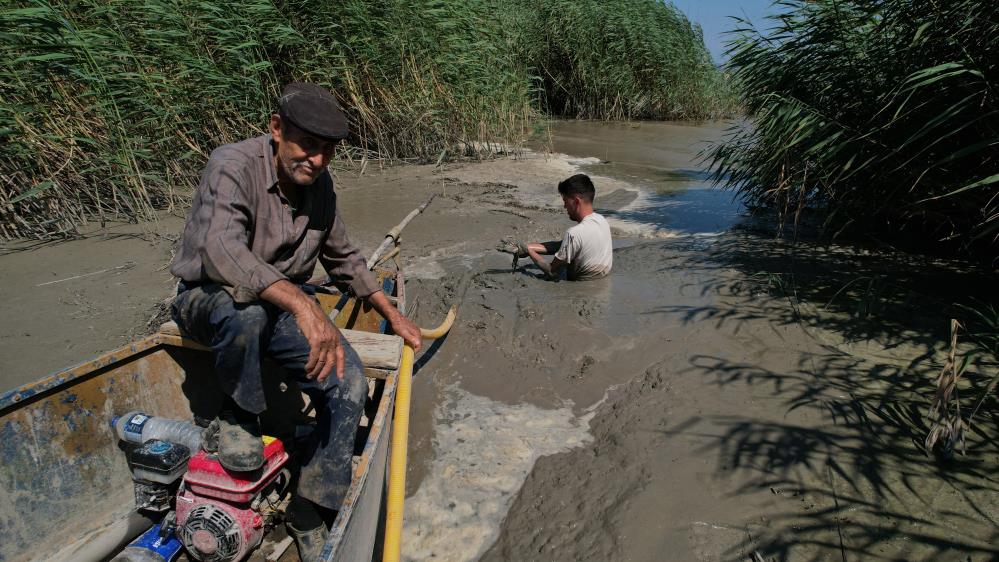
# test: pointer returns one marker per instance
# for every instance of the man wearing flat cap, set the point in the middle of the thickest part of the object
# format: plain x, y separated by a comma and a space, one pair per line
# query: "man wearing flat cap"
264, 213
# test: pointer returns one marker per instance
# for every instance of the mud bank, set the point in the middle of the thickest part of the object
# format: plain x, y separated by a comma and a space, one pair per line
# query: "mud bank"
722, 420
745, 398
65, 302
739, 425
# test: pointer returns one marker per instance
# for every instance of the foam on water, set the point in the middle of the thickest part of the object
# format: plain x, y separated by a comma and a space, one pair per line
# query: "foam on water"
484, 452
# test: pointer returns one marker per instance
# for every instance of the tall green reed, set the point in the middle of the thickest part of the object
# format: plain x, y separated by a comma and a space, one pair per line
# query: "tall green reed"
881, 114
630, 59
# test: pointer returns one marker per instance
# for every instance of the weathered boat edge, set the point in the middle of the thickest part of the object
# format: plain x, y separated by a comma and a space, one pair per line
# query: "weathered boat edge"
18, 397
60, 457
357, 527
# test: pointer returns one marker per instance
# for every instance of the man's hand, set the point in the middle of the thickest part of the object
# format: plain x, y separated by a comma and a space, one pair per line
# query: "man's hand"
402, 326
325, 352
517, 248
552, 271
408, 331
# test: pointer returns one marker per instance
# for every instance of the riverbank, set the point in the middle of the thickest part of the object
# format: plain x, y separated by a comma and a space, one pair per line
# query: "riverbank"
703, 402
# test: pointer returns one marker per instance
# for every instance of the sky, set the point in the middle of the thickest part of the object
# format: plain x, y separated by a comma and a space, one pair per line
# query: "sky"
713, 17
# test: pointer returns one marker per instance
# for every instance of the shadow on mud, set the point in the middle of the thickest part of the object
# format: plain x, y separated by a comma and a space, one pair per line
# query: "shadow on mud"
854, 481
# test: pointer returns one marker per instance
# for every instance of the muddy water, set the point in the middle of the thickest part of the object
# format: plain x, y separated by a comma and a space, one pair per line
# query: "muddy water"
661, 160
724, 415
551, 352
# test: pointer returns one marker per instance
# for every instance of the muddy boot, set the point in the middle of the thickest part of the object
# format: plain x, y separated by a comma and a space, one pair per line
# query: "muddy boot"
310, 543
210, 437
239, 445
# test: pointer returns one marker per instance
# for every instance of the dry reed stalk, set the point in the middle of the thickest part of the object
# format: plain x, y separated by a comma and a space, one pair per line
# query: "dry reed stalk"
948, 426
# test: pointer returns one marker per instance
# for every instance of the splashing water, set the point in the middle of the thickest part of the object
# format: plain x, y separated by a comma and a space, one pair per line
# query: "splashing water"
484, 452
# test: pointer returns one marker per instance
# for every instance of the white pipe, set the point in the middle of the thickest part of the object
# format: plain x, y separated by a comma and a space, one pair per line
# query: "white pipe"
393, 235
101, 544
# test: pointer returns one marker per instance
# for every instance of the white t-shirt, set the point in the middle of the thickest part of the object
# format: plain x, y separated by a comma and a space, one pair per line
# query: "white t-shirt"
587, 249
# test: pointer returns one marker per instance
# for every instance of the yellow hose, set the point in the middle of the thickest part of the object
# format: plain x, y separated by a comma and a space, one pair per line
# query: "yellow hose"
400, 438
397, 462
444, 327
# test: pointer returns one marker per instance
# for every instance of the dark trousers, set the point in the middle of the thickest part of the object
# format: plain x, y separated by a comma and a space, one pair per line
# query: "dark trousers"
240, 336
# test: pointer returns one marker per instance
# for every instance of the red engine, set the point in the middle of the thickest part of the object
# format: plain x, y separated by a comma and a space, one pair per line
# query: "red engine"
222, 515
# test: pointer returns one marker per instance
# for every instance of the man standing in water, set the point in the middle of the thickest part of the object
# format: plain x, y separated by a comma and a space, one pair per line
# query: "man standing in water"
585, 251
264, 214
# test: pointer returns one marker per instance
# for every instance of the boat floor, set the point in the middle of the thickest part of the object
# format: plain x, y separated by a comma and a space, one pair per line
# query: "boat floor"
277, 545
66, 474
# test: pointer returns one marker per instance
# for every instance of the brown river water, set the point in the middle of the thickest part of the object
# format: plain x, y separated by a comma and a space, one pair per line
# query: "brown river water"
717, 397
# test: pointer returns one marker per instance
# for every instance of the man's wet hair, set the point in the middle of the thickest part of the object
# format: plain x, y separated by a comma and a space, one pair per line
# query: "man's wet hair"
579, 184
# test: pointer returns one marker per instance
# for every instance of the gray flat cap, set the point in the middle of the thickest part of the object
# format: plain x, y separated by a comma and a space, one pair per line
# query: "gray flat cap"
313, 109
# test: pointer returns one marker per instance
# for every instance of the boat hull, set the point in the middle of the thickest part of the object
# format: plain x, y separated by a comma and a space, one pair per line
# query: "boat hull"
64, 477
65, 487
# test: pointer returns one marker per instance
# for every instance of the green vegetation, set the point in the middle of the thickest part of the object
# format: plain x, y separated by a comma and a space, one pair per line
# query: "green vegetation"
620, 60
881, 114
110, 109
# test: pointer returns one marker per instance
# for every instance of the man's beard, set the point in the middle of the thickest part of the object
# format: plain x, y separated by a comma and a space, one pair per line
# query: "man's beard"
299, 172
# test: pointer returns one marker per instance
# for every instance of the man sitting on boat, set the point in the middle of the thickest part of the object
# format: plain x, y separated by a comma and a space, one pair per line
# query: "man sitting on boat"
585, 252
264, 213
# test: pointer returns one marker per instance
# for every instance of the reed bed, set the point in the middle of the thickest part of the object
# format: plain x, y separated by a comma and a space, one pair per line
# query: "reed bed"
629, 59
879, 114
108, 110
882, 117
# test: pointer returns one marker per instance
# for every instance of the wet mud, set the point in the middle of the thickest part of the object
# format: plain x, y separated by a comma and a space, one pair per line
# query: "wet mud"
65, 302
755, 427
747, 398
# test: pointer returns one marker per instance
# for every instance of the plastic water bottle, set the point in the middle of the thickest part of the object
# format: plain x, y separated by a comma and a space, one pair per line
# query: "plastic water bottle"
139, 427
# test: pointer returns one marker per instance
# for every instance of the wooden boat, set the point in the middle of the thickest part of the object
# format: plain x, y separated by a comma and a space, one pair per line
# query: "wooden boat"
66, 491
